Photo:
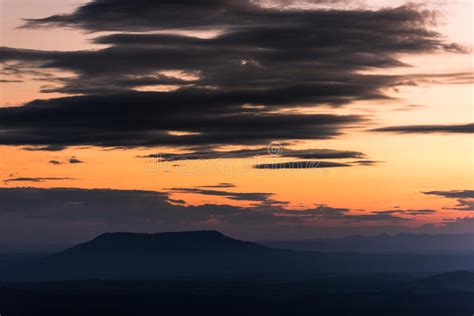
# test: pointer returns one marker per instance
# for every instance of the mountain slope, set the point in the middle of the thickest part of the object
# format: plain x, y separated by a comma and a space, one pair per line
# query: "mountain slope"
209, 254
188, 242
131, 255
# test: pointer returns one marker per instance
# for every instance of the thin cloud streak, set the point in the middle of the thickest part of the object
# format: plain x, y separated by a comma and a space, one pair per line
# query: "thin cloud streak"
428, 129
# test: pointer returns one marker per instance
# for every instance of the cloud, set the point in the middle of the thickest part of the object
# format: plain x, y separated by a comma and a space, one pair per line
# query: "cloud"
220, 185
74, 214
265, 198
45, 148
429, 129
320, 211
10, 81
409, 107
143, 15
136, 205
389, 215
262, 198
366, 162
271, 150
27, 179
451, 226
74, 160
377, 216
415, 212
238, 86
301, 165
465, 194
464, 205
134, 119
151, 15
465, 198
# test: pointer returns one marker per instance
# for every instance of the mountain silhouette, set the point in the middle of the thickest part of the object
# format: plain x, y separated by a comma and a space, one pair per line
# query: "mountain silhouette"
170, 243
210, 254
383, 243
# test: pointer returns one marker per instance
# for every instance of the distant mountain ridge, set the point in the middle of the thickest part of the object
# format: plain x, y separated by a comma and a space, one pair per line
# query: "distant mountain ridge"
210, 254
383, 243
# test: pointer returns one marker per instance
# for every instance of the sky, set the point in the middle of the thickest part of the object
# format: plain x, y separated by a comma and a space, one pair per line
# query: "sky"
262, 119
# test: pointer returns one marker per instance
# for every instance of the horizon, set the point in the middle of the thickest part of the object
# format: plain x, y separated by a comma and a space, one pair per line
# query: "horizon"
294, 244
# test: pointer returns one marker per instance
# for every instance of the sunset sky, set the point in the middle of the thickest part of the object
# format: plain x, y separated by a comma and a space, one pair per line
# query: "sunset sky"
263, 119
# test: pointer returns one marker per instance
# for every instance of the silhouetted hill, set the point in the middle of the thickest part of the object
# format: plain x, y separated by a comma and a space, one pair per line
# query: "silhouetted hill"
457, 281
211, 255
192, 242
383, 243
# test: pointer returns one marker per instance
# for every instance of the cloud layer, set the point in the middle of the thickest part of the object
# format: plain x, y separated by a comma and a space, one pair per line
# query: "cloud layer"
35, 179
429, 129
239, 84
75, 211
275, 150
465, 198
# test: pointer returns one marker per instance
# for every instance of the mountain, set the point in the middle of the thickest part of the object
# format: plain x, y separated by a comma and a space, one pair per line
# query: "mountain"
383, 243
192, 242
210, 254
162, 255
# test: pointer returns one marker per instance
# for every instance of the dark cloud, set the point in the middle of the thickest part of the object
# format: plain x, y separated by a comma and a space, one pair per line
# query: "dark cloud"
271, 150
321, 154
377, 216
144, 15
145, 119
10, 81
465, 198
77, 211
389, 215
220, 185
55, 162
366, 162
227, 89
301, 165
409, 107
449, 78
429, 129
464, 205
463, 194
416, 212
132, 205
44, 215
321, 211
74, 160
237, 196
45, 148
459, 224
36, 179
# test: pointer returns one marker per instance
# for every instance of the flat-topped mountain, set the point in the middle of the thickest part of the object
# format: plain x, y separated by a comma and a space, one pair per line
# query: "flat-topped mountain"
173, 242
210, 254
